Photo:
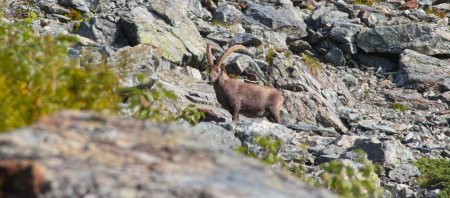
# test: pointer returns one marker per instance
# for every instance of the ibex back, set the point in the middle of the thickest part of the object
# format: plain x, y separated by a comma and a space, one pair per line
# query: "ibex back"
237, 97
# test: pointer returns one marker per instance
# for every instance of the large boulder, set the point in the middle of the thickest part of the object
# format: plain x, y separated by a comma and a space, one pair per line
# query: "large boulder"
394, 39
390, 153
75, 154
165, 25
100, 30
420, 72
279, 19
312, 108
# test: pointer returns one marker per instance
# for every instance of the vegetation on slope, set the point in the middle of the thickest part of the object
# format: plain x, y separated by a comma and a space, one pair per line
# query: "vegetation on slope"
435, 174
37, 77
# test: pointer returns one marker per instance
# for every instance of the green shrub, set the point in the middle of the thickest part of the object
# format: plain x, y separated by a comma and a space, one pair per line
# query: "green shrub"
350, 181
270, 55
31, 16
435, 174
269, 153
74, 14
398, 106
37, 77
365, 2
192, 115
439, 13
151, 104
146, 104
347, 181
366, 94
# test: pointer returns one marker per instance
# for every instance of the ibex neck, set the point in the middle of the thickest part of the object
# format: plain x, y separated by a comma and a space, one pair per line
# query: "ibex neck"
222, 79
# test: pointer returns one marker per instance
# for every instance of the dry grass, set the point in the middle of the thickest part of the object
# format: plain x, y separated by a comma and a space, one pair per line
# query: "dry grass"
312, 64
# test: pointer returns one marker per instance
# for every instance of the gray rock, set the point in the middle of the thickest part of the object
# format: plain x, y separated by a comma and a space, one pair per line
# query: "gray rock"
77, 4
278, 19
227, 14
246, 39
299, 46
100, 30
345, 32
53, 8
315, 143
433, 194
394, 39
335, 56
348, 48
85, 154
390, 153
351, 115
331, 152
322, 131
238, 63
133, 62
196, 8
377, 125
221, 137
377, 61
315, 109
445, 85
442, 6
446, 97
420, 72
247, 131
349, 80
404, 173
166, 26
220, 38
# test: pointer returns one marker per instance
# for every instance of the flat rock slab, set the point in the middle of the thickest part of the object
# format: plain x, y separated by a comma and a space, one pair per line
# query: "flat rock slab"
75, 154
394, 39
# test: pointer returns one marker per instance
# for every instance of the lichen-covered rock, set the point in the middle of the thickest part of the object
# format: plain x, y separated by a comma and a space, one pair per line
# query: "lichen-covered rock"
172, 31
76, 154
394, 39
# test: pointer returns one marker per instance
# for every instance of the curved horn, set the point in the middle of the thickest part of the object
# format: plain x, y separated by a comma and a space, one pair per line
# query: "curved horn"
209, 55
229, 51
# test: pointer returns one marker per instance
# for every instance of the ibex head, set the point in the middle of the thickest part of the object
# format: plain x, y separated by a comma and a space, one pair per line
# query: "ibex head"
216, 70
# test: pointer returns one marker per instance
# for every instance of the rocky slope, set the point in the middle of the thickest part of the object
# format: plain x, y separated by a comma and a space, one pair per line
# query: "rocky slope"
383, 84
74, 154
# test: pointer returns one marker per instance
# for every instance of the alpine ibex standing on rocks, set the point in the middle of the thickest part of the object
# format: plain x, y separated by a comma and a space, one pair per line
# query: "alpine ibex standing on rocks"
237, 97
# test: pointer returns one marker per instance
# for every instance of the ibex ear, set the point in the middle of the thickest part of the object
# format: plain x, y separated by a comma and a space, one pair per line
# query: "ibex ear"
222, 67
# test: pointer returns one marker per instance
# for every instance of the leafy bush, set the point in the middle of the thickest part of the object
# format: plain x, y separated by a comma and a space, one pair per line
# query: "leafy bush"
435, 174
37, 77
74, 14
148, 104
350, 181
192, 115
31, 16
269, 153
313, 65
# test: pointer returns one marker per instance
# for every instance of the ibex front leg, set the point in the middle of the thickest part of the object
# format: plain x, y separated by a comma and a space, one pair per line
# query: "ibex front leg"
235, 107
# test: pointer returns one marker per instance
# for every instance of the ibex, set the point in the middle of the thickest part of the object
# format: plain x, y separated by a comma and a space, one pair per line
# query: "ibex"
237, 97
